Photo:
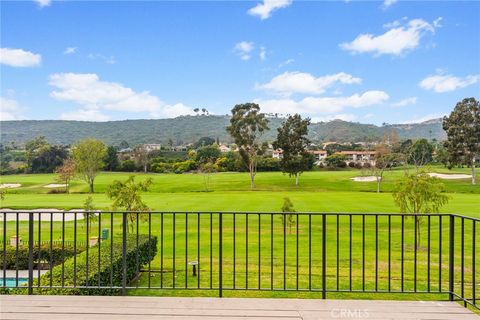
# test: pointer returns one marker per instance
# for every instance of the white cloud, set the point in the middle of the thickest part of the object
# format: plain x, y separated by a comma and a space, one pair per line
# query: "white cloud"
263, 54
425, 118
388, 3
265, 9
286, 63
70, 50
447, 82
19, 58
396, 41
342, 116
95, 95
405, 102
244, 49
106, 59
10, 109
43, 3
322, 105
288, 83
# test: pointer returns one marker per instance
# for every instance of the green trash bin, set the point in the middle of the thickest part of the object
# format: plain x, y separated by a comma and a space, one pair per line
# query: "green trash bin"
105, 234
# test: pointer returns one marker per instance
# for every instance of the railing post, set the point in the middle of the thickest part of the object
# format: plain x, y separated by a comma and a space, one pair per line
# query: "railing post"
220, 249
451, 257
324, 256
30, 252
124, 254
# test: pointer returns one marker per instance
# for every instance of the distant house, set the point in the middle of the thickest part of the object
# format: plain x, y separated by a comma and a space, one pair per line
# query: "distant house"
152, 146
320, 155
359, 157
224, 148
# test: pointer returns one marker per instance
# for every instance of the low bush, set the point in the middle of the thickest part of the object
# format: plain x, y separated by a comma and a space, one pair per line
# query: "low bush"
57, 255
108, 271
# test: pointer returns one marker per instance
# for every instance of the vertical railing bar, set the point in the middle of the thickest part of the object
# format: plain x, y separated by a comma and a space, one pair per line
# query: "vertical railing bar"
161, 250
376, 252
5, 249
74, 249
324, 256
17, 231
309, 252
415, 230
350, 253
428, 252
111, 249
338, 252
149, 249
246, 251
474, 283
87, 246
211, 250
259, 252
389, 253
30, 253
220, 254
174, 236
463, 262
440, 244
99, 239
51, 249
403, 253
271, 251
296, 252
451, 256
284, 251
198, 250
39, 257
363, 252
186, 250
63, 249
124, 254
137, 257
234, 250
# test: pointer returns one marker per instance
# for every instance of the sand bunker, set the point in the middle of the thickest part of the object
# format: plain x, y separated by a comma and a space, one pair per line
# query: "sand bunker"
46, 214
364, 179
10, 185
55, 185
450, 176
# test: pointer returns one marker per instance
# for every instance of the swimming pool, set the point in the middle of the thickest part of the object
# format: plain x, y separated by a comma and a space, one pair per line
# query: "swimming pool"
11, 282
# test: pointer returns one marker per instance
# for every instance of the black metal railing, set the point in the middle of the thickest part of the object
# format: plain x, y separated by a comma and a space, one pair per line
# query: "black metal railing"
113, 252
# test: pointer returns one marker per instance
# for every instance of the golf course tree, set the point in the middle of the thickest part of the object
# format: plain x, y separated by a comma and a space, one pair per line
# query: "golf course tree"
206, 158
385, 158
419, 193
292, 140
111, 159
247, 125
89, 155
66, 172
463, 134
126, 195
289, 214
140, 153
89, 213
420, 153
42, 157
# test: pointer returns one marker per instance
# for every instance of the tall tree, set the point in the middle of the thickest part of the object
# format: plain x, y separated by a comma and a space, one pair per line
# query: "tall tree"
66, 172
247, 124
127, 195
419, 193
88, 155
420, 153
111, 159
292, 140
140, 154
463, 134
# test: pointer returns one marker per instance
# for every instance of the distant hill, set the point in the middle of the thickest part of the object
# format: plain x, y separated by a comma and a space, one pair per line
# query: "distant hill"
186, 129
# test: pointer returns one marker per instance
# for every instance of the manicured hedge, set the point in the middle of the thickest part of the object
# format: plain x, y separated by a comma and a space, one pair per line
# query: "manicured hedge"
147, 250
56, 255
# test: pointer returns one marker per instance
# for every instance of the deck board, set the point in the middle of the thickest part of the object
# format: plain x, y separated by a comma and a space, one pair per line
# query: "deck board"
106, 308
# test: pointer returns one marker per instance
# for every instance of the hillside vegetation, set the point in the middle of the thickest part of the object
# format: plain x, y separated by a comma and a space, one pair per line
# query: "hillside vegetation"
188, 129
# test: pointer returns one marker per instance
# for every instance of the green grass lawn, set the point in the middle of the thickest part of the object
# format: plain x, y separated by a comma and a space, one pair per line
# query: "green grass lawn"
320, 191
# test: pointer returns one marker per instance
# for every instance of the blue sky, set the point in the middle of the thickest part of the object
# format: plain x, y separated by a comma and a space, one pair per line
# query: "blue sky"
369, 62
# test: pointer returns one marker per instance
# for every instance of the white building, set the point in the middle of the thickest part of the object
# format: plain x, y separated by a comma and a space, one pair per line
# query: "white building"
224, 148
320, 155
152, 146
361, 157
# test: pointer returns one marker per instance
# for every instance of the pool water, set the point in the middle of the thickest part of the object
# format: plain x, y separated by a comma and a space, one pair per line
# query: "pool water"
11, 282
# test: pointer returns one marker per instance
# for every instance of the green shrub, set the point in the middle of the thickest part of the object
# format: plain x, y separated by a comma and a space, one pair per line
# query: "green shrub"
99, 274
56, 255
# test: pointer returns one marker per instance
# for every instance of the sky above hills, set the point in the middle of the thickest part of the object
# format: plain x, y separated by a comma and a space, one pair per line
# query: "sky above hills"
370, 62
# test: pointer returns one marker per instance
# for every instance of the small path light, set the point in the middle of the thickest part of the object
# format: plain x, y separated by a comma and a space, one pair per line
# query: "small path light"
194, 265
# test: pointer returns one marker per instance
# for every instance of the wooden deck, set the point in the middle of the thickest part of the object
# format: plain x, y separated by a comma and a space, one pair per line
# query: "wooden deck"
118, 308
